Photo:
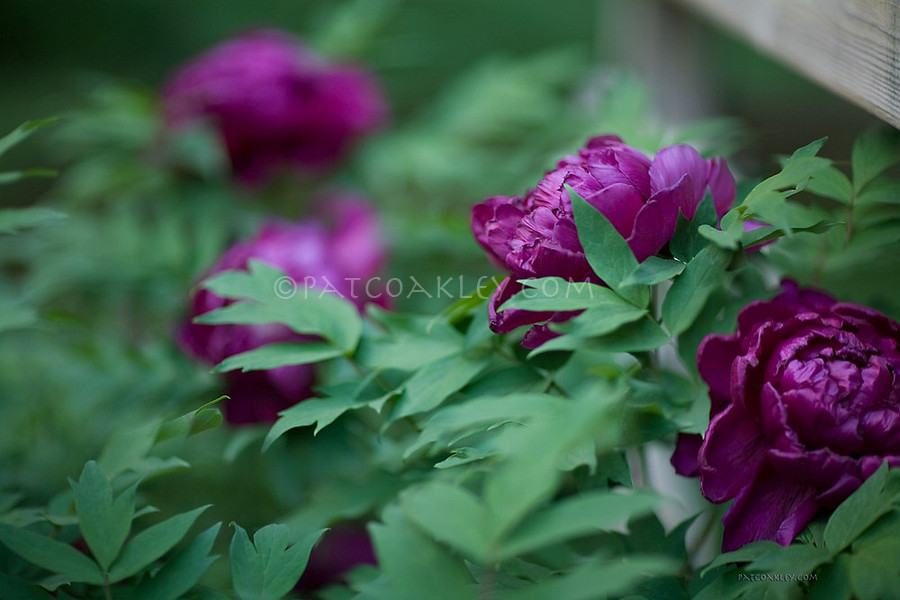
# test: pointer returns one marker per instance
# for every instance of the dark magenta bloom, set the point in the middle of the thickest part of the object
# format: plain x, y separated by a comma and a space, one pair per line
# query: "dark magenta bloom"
805, 403
341, 550
534, 235
339, 258
275, 103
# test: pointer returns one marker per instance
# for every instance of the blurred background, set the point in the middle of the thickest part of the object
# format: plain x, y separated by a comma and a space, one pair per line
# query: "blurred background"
54, 53
484, 96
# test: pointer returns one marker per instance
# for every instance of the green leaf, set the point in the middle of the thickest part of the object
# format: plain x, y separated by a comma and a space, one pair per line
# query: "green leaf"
880, 191
583, 514
728, 236
408, 350
833, 581
414, 565
686, 242
797, 558
204, 418
127, 449
456, 421
831, 183
596, 578
639, 336
182, 571
270, 297
22, 132
762, 235
270, 566
51, 555
768, 200
600, 321
745, 554
555, 293
104, 521
654, 270
152, 543
320, 412
689, 293
855, 514
13, 176
451, 515
874, 569
272, 356
606, 250
874, 152
13, 588
529, 477
433, 383
13, 220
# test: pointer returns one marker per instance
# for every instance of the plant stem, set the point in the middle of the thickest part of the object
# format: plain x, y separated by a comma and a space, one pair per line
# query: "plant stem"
486, 585
850, 208
708, 528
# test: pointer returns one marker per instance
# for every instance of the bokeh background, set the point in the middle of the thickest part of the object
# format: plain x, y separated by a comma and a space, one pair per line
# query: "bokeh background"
52, 53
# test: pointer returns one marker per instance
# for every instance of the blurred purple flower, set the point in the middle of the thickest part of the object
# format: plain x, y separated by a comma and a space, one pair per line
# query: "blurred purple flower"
341, 257
805, 405
275, 103
534, 235
341, 550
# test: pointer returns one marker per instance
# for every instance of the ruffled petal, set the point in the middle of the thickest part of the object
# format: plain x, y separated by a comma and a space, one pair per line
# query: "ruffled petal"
731, 453
508, 320
668, 168
770, 508
494, 224
684, 458
721, 185
655, 223
715, 356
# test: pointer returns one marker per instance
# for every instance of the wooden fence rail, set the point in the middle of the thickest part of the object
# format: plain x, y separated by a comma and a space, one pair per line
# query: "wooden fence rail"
849, 46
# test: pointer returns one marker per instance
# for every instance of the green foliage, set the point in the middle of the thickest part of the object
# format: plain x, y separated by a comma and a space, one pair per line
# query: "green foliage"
14, 220
270, 566
692, 289
305, 310
606, 251
104, 521
848, 557
858, 251
479, 469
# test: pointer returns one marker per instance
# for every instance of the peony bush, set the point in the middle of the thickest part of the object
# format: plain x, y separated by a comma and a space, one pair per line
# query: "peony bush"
642, 377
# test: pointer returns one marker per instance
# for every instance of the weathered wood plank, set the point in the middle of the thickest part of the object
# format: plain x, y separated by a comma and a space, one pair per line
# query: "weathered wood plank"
848, 46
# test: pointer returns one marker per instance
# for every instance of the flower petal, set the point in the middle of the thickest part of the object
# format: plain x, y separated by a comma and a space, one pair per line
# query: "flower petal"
684, 458
721, 185
508, 320
655, 223
673, 163
714, 358
770, 508
731, 453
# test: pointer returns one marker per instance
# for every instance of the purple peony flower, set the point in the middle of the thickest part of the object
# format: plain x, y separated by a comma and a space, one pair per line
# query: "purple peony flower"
805, 406
342, 258
341, 550
275, 103
534, 235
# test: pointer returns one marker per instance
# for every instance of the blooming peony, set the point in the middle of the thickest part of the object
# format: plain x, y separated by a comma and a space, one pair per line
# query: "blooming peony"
805, 406
340, 258
275, 103
534, 235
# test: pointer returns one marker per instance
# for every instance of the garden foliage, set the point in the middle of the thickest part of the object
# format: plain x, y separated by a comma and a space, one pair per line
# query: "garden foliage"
474, 466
